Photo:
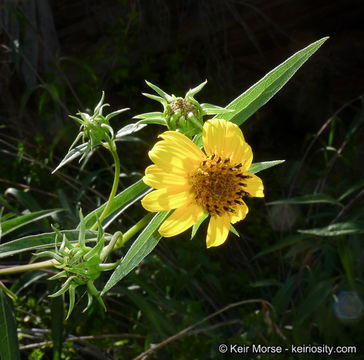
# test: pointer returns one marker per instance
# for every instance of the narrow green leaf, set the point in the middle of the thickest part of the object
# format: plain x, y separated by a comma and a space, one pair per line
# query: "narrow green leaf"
71, 155
196, 89
40, 241
160, 92
13, 224
155, 316
257, 167
197, 224
344, 228
265, 282
8, 292
233, 230
121, 202
129, 129
57, 316
307, 199
26, 279
1, 222
9, 346
149, 115
314, 297
114, 113
8, 215
7, 204
283, 296
288, 241
352, 189
141, 247
154, 97
210, 109
261, 92
346, 252
157, 121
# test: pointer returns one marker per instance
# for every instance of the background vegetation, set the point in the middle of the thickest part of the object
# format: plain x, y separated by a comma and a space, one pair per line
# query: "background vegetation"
300, 249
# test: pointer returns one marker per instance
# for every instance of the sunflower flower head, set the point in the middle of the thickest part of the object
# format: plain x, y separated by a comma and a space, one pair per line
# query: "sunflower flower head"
181, 114
197, 184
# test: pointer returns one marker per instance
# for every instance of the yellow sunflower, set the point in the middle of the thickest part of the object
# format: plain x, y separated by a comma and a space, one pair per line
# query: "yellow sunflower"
194, 183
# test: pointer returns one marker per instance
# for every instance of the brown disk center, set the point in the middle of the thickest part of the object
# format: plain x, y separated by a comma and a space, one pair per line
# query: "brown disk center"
218, 185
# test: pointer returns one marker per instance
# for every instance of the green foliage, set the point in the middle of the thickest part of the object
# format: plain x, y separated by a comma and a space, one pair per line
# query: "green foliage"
261, 92
9, 347
289, 283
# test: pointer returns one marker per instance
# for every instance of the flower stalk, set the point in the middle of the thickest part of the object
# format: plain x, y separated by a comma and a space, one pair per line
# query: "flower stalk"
111, 146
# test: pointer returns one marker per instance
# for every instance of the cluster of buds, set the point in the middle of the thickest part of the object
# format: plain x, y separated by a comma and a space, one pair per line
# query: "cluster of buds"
180, 114
80, 264
95, 129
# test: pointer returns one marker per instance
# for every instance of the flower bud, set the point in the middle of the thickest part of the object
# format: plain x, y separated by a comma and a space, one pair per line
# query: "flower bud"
180, 114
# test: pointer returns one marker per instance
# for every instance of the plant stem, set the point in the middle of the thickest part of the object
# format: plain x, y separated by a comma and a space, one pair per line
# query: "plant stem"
121, 240
28, 267
112, 148
133, 230
117, 237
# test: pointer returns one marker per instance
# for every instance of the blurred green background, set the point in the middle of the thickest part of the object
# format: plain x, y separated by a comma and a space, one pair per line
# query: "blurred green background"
304, 256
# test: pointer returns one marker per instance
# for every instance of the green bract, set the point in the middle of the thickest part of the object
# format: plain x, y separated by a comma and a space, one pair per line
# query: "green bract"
181, 114
80, 264
95, 129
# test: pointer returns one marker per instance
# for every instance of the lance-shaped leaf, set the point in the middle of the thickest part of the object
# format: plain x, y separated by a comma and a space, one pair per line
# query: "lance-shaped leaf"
9, 347
141, 247
307, 199
159, 91
20, 221
338, 229
121, 201
260, 166
261, 92
71, 155
40, 241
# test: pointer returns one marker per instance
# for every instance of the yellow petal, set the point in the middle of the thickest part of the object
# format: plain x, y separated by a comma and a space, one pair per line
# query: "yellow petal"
182, 141
182, 219
158, 178
218, 230
225, 139
165, 199
254, 186
171, 157
240, 212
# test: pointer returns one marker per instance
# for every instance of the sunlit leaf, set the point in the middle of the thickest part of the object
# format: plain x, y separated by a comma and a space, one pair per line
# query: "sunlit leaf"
344, 228
260, 166
129, 129
288, 241
307, 199
141, 247
71, 155
15, 223
261, 92
120, 203
40, 241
